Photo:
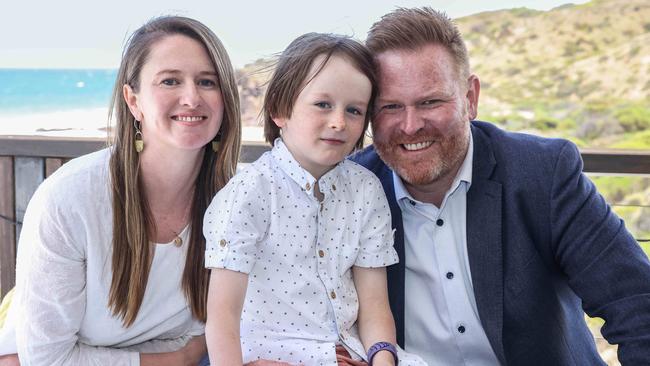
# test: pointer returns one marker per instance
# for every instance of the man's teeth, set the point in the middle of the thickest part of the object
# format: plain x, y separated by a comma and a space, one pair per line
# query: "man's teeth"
417, 146
189, 118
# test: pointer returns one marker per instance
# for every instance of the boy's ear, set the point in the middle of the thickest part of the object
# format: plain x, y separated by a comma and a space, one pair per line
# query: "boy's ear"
131, 99
279, 121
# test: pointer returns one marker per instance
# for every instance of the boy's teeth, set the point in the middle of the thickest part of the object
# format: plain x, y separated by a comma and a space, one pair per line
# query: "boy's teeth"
417, 146
189, 118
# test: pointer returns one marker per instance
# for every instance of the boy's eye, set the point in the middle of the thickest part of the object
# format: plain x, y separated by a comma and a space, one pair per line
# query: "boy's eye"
355, 111
323, 105
429, 102
208, 83
170, 82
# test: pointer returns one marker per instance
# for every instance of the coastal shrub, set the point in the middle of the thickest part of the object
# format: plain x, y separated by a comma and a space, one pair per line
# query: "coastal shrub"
634, 118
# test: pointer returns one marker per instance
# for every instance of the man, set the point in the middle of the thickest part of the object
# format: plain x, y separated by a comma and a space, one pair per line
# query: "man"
503, 242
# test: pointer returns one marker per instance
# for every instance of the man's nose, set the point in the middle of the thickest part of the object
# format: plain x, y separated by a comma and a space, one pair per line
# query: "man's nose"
412, 122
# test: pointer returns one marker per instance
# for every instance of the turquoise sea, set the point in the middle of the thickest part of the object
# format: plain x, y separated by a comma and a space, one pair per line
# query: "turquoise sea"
26, 91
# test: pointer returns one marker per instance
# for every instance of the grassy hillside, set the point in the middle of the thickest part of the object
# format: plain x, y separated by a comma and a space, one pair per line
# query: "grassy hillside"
577, 71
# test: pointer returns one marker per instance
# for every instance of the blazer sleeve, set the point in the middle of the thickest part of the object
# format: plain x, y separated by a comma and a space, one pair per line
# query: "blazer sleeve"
605, 265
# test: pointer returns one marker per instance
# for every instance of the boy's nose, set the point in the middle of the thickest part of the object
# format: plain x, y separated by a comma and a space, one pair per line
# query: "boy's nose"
337, 122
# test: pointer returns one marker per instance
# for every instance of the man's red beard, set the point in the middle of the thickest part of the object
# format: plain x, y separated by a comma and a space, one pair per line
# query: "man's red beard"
441, 159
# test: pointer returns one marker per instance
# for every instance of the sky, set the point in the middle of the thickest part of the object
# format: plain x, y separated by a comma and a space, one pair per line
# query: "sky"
91, 34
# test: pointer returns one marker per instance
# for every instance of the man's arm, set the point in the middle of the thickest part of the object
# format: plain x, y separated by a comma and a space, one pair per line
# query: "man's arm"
605, 265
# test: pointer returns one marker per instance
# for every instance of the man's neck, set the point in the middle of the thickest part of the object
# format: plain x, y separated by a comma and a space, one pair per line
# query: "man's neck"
433, 192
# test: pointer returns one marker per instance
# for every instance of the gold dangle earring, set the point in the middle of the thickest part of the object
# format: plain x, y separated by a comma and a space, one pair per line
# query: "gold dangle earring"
215, 142
139, 143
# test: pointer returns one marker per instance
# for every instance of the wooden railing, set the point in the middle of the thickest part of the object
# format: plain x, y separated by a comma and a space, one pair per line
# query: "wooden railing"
25, 161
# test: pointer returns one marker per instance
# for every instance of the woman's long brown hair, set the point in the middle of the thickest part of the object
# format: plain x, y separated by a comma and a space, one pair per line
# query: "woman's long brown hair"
132, 220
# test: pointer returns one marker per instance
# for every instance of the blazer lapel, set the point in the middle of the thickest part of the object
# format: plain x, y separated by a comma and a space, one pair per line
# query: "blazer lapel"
484, 245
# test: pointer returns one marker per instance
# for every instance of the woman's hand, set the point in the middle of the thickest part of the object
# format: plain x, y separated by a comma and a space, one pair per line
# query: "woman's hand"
9, 360
193, 351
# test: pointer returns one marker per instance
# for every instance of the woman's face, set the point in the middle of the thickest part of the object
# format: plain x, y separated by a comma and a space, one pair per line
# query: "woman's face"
179, 101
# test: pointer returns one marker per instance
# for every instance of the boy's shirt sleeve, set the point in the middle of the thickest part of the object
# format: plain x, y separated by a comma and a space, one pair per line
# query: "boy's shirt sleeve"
376, 240
235, 222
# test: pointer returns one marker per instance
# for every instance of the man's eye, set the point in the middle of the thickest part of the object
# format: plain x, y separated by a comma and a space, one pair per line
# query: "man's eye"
323, 105
170, 82
390, 106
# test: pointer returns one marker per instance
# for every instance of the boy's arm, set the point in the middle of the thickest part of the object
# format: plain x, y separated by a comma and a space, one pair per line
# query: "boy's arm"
375, 320
226, 296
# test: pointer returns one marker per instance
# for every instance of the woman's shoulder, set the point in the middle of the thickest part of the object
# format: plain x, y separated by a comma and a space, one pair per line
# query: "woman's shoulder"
77, 180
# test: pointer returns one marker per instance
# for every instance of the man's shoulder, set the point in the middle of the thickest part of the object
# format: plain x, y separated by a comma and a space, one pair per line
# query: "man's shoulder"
500, 137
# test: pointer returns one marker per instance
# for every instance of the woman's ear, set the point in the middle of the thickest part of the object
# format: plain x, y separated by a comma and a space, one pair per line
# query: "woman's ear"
131, 99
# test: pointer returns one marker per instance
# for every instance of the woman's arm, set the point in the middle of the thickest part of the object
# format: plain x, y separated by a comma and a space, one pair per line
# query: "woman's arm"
375, 320
226, 296
189, 355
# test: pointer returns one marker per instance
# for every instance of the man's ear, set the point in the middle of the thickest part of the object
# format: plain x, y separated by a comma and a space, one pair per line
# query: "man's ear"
473, 91
131, 99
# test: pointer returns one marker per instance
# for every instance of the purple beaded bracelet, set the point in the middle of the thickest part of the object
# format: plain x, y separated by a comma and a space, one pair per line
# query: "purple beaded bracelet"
381, 346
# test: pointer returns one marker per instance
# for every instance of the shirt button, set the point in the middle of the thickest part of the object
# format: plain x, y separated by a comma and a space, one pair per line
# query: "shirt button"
450, 275
333, 187
307, 186
222, 243
412, 202
321, 253
440, 222
461, 329
333, 295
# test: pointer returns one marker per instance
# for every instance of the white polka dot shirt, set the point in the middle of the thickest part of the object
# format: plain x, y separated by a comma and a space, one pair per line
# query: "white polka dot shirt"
299, 252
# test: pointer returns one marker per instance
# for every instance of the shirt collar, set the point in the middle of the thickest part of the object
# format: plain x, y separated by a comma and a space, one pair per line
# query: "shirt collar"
464, 175
290, 166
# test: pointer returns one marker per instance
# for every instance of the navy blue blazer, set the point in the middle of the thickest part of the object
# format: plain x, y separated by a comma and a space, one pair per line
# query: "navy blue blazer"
543, 246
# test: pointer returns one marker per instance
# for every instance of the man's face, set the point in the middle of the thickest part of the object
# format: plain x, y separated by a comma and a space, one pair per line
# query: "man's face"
421, 125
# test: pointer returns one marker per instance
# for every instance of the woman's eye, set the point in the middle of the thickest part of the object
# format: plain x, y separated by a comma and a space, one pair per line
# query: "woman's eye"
207, 83
169, 82
323, 105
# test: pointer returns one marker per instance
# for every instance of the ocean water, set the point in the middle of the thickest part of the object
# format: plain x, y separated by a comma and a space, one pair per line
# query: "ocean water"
48, 90
64, 103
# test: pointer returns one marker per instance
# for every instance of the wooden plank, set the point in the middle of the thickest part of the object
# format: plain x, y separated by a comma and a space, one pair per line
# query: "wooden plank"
616, 161
47, 146
250, 151
51, 165
28, 173
7, 227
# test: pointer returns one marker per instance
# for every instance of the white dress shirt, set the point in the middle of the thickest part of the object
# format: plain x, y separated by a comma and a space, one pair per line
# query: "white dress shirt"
59, 314
301, 299
441, 321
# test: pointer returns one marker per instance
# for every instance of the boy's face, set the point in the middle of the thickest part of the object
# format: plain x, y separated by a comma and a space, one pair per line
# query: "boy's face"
328, 116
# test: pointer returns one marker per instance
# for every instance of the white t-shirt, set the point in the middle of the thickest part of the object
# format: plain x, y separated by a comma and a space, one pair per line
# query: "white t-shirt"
301, 299
60, 314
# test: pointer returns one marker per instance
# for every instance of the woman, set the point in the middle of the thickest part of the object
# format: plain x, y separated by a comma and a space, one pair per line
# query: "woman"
110, 263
